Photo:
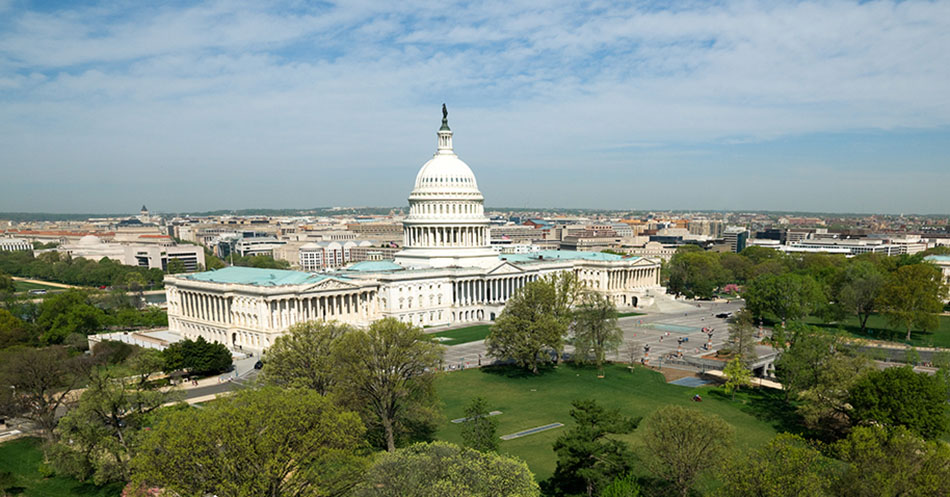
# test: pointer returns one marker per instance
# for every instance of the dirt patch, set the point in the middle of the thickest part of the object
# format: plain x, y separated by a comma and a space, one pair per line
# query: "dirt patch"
673, 374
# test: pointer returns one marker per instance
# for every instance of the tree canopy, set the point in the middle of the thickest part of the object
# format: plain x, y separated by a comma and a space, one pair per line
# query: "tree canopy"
901, 397
266, 441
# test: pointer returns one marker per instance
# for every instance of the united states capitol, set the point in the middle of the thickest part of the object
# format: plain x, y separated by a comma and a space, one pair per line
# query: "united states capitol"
446, 273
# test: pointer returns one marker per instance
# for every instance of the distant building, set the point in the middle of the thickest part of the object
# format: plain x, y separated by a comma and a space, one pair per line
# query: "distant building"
153, 256
14, 245
942, 262
735, 238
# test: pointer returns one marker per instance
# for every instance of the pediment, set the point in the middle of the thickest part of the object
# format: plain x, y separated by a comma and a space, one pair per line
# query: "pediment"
331, 284
506, 268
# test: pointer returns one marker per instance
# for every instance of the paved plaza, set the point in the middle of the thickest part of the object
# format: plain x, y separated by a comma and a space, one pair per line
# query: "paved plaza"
686, 322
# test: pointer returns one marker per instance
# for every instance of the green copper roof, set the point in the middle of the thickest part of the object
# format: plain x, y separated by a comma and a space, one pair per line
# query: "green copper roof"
373, 266
256, 276
941, 258
547, 255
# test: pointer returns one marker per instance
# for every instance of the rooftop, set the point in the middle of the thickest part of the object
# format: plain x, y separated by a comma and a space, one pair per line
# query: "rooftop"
375, 266
938, 258
256, 276
563, 255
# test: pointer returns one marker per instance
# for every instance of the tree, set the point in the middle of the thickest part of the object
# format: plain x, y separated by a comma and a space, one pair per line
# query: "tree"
197, 356
13, 331
858, 289
6, 283
788, 466
696, 274
785, 296
901, 397
97, 439
622, 486
529, 329
799, 367
587, 460
737, 376
303, 356
742, 338
40, 381
388, 369
682, 443
266, 441
824, 406
479, 427
595, 329
912, 296
65, 313
885, 463
175, 266
441, 468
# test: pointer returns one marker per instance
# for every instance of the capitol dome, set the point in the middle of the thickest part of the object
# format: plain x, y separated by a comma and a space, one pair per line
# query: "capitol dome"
89, 240
446, 225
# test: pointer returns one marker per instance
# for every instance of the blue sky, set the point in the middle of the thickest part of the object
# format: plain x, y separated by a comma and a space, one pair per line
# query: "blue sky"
821, 106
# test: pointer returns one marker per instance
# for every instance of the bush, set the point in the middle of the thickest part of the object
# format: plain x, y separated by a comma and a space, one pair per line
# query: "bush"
197, 357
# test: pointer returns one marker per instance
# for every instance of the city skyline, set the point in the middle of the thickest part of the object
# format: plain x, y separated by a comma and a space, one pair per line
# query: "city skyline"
806, 107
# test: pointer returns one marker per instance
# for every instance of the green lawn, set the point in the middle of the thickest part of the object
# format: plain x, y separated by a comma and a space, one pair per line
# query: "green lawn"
528, 401
628, 314
881, 330
25, 286
464, 335
23, 457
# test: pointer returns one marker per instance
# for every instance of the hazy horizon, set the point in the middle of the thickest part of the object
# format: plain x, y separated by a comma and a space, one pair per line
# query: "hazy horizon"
800, 107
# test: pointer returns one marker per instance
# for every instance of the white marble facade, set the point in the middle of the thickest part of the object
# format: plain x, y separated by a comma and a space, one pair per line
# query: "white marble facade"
446, 274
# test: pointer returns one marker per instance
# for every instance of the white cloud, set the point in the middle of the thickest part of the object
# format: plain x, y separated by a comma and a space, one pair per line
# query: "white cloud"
238, 83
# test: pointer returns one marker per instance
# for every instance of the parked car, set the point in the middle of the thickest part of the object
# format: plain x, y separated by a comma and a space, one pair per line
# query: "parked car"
723, 315
258, 365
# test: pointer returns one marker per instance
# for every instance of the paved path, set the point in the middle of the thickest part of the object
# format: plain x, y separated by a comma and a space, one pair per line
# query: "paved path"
636, 331
47, 283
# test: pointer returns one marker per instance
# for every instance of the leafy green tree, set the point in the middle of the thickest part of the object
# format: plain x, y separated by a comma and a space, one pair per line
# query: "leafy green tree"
587, 459
441, 468
259, 261
595, 329
6, 283
742, 338
97, 439
824, 406
266, 441
529, 330
788, 466
891, 463
65, 313
479, 428
303, 356
737, 376
799, 367
785, 297
388, 370
197, 356
13, 331
41, 382
682, 443
696, 274
912, 296
901, 397
175, 266
622, 486
858, 289
738, 267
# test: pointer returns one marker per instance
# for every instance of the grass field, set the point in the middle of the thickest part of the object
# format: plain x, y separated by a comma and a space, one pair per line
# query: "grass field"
528, 401
628, 314
464, 335
881, 330
25, 286
22, 458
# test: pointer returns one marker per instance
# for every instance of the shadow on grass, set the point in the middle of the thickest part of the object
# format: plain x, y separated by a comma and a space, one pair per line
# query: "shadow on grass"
514, 371
767, 405
90, 489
